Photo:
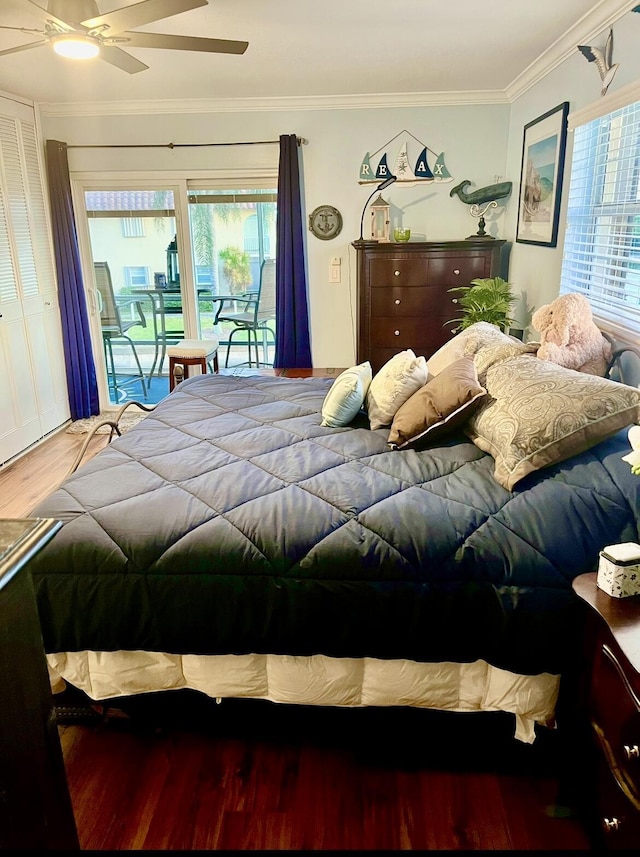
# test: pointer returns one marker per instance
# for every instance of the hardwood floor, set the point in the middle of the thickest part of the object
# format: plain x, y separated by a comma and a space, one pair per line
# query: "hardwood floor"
179, 772
29, 479
268, 777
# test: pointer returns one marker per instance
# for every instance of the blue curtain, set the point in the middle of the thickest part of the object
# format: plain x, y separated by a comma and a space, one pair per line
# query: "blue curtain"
293, 349
82, 385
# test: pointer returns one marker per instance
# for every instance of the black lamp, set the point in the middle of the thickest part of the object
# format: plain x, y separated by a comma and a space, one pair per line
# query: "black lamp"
381, 186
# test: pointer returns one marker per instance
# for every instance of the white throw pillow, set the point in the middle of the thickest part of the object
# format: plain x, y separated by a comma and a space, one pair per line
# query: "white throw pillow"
398, 379
465, 344
346, 395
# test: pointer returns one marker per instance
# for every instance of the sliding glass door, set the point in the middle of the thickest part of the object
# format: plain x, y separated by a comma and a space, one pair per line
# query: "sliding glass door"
130, 235
158, 262
233, 231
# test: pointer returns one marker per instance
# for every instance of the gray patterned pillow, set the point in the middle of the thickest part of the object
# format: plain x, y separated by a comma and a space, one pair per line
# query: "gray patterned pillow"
538, 413
487, 355
467, 343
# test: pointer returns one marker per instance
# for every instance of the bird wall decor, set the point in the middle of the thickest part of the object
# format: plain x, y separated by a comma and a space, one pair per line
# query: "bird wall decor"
602, 58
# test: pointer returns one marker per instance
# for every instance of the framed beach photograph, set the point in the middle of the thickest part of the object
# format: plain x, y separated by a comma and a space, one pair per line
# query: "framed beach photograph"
543, 150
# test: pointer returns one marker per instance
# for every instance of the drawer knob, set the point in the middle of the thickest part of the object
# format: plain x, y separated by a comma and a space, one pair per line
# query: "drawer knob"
397, 301
396, 273
454, 300
456, 271
396, 333
631, 751
610, 825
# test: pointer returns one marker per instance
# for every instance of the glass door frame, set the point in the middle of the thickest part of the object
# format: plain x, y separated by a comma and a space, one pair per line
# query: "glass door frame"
177, 182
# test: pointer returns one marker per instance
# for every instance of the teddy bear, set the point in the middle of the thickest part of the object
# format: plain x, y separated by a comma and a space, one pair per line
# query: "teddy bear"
570, 337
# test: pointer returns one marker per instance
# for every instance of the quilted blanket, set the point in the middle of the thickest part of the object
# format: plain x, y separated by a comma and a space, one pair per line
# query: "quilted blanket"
229, 521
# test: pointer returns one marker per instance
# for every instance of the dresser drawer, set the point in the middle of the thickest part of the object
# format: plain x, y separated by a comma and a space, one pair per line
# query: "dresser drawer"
456, 270
424, 333
419, 300
398, 272
378, 355
617, 820
615, 716
401, 332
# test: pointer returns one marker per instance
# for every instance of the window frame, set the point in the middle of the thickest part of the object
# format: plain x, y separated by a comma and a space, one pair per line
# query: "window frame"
605, 257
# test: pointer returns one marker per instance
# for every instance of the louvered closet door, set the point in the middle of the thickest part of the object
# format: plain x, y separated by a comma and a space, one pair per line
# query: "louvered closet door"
32, 385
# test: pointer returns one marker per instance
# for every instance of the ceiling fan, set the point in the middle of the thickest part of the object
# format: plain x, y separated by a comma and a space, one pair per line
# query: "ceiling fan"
76, 29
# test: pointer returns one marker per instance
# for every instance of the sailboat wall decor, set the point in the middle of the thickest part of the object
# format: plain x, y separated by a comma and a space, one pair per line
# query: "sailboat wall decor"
405, 170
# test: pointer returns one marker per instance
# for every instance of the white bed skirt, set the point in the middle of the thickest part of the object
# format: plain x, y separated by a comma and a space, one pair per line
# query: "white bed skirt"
315, 680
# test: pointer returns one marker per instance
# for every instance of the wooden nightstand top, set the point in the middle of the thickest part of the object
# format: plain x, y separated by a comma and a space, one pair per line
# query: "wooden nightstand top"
622, 615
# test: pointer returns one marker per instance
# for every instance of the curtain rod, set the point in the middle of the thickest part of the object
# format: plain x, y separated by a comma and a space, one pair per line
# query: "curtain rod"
301, 142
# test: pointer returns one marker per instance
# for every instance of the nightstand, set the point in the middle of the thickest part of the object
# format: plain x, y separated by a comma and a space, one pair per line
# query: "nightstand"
612, 701
35, 809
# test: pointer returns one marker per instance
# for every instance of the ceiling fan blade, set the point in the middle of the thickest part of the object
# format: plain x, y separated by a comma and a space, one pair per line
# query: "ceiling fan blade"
121, 59
24, 30
45, 16
185, 43
140, 13
24, 47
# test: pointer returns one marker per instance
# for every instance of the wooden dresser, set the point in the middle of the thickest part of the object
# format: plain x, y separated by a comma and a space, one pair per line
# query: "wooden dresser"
612, 702
403, 298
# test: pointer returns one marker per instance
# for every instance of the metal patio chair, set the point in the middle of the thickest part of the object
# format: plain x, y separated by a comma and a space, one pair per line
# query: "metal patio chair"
114, 329
257, 313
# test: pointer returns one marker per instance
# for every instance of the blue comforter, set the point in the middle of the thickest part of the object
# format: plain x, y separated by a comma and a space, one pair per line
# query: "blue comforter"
230, 521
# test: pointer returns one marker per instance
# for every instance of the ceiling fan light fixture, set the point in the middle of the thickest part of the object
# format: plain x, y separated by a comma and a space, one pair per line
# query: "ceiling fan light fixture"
76, 47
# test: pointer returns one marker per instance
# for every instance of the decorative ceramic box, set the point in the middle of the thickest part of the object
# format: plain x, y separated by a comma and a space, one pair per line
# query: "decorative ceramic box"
619, 570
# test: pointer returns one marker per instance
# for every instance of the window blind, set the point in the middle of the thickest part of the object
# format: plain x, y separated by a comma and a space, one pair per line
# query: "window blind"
602, 240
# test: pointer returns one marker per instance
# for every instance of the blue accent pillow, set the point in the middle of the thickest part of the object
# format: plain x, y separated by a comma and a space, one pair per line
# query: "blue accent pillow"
346, 396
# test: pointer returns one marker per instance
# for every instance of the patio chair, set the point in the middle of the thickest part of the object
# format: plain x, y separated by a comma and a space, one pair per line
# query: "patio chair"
114, 329
257, 313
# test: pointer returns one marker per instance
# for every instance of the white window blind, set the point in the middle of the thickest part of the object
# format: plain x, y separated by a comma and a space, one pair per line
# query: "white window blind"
602, 241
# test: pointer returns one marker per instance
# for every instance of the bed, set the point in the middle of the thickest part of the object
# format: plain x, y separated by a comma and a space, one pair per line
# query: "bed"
232, 544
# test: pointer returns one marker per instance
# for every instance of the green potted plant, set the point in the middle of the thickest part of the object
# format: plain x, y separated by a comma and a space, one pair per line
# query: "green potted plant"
485, 299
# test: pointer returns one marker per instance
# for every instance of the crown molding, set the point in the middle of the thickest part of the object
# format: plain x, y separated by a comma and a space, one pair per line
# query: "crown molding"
600, 18
252, 105
11, 96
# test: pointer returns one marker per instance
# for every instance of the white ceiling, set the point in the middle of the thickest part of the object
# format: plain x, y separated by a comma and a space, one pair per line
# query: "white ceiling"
326, 48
